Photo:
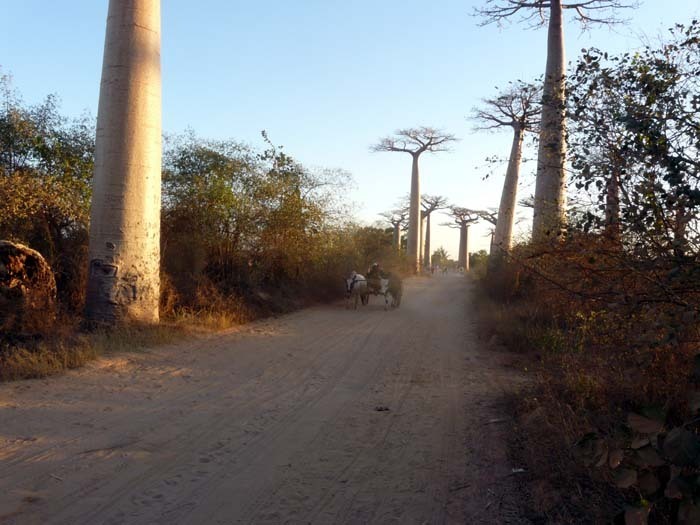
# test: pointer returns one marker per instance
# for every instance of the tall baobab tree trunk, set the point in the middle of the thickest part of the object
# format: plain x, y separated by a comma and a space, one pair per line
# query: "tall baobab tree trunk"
124, 253
414, 217
421, 254
462, 256
396, 242
549, 219
503, 236
426, 242
466, 248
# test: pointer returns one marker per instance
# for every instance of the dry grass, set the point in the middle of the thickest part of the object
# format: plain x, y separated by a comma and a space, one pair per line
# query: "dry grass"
592, 362
134, 338
46, 355
34, 359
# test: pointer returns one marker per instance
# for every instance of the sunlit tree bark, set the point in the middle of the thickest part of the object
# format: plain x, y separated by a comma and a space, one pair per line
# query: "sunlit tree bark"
517, 108
124, 253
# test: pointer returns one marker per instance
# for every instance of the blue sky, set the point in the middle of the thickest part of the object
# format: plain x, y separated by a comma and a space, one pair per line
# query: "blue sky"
325, 78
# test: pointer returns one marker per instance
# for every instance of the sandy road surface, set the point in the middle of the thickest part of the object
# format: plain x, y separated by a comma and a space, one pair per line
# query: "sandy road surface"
277, 423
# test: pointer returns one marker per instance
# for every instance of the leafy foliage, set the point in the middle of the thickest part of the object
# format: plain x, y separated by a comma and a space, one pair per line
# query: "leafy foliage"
46, 163
636, 132
247, 220
612, 312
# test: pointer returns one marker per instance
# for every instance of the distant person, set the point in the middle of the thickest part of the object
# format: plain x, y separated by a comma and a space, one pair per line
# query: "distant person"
374, 277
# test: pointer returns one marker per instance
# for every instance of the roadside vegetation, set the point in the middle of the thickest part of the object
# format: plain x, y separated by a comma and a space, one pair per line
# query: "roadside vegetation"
606, 319
245, 233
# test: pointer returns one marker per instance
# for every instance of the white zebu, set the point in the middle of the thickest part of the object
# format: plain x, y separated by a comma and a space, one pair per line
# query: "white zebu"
356, 287
382, 289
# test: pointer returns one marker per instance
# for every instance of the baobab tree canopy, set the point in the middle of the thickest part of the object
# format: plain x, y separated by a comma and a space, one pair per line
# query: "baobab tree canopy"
416, 141
517, 105
536, 12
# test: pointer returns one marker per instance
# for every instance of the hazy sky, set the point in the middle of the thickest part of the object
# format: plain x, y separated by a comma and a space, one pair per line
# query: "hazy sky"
325, 78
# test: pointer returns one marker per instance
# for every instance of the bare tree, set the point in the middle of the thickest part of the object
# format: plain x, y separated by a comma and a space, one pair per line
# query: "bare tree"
430, 203
463, 219
518, 108
549, 216
397, 219
415, 142
124, 253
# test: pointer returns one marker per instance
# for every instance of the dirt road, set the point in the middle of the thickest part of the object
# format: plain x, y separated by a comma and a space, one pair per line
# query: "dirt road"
323, 416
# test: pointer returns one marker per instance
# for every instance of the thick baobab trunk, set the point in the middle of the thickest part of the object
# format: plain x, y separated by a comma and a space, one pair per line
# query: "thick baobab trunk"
124, 254
503, 236
414, 217
426, 243
462, 256
396, 241
421, 254
549, 219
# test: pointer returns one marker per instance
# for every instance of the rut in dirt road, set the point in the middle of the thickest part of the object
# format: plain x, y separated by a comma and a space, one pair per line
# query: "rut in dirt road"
323, 416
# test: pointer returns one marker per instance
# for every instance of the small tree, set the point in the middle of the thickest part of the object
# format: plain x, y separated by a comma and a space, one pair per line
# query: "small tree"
415, 142
440, 257
517, 108
549, 217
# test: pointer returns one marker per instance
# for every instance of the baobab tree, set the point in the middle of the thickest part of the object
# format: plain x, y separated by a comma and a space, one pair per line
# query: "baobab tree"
415, 142
518, 108
397, 219
421, 238
549, 214
463, 219
430, 204
490, 216
124, 253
